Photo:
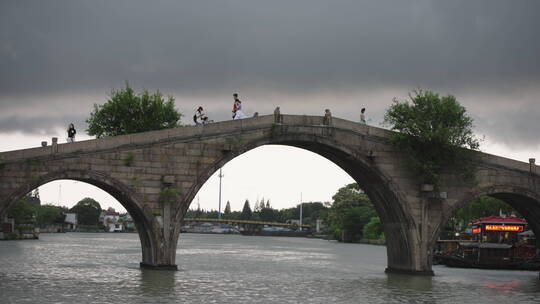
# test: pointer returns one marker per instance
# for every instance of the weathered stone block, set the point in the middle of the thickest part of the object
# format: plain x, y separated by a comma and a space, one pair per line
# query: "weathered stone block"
149, 137
160, 171
99, 168
193, 152
186, 132
113, 142
168, 179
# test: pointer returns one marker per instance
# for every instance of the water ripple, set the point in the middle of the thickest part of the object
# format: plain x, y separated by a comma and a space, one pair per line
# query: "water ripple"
103, 268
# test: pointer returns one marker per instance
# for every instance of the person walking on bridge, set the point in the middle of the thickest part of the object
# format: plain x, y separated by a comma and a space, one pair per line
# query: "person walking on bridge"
71, 133
363, 116
237, 108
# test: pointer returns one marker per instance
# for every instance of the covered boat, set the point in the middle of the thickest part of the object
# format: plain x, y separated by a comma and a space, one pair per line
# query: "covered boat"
496, 243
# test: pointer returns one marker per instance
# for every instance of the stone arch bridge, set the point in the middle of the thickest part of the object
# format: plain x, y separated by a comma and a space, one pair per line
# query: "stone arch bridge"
155, 175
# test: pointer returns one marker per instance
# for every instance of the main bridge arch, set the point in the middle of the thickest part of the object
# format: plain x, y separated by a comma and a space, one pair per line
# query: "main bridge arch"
382, 191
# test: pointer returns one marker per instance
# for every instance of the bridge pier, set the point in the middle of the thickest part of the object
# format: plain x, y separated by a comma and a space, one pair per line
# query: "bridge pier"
421, 263
158, 243
162, 257
407, 252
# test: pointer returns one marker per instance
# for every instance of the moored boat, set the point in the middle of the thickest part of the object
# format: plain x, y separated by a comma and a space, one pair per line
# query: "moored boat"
496, 243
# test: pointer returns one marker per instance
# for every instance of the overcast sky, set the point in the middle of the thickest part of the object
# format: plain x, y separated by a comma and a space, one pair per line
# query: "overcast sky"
58, 58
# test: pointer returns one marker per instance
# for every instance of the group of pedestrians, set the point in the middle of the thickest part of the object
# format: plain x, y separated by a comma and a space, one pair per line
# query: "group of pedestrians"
200, 117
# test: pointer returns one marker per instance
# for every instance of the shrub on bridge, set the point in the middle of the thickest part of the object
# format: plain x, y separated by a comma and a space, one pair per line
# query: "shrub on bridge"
169, 195
435, 132
127, 112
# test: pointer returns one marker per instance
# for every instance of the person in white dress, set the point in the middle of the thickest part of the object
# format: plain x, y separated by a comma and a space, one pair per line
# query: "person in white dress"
237, 108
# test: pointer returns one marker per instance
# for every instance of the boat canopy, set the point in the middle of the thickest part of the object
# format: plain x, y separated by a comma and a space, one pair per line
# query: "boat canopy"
499, 220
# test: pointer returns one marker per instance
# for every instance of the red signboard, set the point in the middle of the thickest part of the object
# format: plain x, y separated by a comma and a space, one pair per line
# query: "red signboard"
504, 228
476, 230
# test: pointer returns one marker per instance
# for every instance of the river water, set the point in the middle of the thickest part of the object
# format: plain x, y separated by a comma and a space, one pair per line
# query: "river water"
104, 268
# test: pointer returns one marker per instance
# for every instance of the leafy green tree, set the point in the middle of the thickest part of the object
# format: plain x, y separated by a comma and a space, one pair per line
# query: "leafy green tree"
126, 112
349, 212
311, 211
213, 214
268, 214
88, 211
373, 229
22, 212
49, 214
246, 211
433, 131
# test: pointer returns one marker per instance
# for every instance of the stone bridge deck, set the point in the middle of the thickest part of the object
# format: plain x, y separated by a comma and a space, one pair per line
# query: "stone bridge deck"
187, 133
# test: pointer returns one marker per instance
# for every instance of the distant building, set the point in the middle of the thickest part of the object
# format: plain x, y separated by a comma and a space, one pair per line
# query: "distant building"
111, 220
127, 222
70, 221
319, 225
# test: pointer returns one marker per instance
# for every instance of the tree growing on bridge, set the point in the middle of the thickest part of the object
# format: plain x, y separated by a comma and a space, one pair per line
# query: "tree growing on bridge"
126, 112
435, 132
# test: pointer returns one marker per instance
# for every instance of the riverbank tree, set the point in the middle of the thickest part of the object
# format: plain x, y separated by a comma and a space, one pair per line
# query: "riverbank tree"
346, 217
88, 211
25, 212
350, 211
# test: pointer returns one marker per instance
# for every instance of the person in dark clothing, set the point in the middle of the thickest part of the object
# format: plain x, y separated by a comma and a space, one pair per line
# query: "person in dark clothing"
200, 117
71, 133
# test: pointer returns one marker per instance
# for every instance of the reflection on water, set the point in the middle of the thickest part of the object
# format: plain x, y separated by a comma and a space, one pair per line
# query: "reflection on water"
157, 283
406, 282
103, 268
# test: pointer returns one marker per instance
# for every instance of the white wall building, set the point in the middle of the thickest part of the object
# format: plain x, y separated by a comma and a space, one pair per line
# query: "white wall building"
111, 220
71, 221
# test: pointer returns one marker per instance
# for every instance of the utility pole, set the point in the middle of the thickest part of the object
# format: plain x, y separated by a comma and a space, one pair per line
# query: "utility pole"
220, 175
300, 211
59, 194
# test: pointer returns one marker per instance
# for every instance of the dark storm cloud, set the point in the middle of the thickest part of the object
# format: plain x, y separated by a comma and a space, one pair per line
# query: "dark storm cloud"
515, 128
292, 47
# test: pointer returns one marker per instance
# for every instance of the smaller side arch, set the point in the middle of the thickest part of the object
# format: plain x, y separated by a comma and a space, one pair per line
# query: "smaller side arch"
142, 216
524, 200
